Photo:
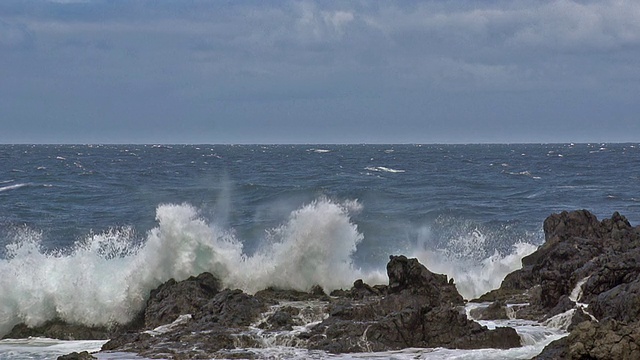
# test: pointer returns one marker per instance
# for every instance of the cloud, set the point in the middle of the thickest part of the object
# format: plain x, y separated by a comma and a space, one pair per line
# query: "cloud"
352, 59
14, 36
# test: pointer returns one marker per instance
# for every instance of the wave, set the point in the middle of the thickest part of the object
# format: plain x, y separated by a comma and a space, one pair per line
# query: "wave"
106, 277
383, 169
12, 187
476, 256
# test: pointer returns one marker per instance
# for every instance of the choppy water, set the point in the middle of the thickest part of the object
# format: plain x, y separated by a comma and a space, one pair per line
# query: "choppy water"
96, 227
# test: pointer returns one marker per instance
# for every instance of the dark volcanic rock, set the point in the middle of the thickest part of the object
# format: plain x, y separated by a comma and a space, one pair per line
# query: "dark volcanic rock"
274, 295
621, 303
420, 310
173, 299
58, 329
213, 326
599, 261
77, 356
608, 340
231, 308
577, 246
496, 311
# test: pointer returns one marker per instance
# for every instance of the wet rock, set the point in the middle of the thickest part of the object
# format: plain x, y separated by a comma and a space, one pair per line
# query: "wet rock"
621, 303
608, 340
77, 356
603, 256
577, 246
361, 290
282, 319
421, 309
274, 295
173, 299
58, 329
231, 308
495, 311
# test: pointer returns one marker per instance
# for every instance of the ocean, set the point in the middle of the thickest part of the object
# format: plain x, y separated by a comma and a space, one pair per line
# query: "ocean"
86, 231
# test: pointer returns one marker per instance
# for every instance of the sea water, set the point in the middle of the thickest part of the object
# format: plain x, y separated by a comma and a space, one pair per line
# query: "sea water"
86, 231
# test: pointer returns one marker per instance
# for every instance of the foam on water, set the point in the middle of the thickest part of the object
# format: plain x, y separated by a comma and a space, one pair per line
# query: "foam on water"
106, 278
43, 348
12, 187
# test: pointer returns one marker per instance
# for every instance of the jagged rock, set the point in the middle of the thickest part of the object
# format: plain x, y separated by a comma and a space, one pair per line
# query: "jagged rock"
621, 303
360, 290
608, 340
282, 319
173, 299
408, 276
274, 295
58, 329
576, 246
231, 308
495, 311
420, 310
77, 356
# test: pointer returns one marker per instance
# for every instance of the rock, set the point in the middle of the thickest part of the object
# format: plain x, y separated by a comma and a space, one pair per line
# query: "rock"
421, 309
58, 329
577, 246
604, 257
496, 311
230, 308
408, 276
173, 299
608, 340
77, 356
621, 303
361, 290
282, 319
273, 295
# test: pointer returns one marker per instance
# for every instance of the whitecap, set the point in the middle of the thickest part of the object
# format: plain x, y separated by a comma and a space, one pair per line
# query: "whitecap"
106, 278
12, 187
383, 169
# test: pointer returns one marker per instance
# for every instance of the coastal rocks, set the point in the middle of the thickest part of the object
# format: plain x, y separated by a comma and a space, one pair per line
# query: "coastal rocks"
608, 340
77, 356
496, 311
418, 309
173, 299
58, 329
212, 326
589, 269
577, 247
421, 309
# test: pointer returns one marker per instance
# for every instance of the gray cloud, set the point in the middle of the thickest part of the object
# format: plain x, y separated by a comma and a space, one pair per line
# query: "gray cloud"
261, 72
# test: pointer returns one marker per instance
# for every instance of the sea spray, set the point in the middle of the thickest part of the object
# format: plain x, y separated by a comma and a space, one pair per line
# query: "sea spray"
468, 254
106, 278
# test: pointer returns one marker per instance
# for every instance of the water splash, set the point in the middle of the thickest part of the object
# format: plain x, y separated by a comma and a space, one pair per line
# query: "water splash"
107, 277
469, 256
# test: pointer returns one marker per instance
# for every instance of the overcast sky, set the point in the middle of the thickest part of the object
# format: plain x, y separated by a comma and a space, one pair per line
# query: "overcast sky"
319, 71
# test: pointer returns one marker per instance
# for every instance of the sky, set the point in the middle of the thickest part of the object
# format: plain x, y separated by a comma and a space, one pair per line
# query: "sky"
218, 72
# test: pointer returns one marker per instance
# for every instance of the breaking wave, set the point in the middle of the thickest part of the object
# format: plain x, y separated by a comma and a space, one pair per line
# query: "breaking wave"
107, 277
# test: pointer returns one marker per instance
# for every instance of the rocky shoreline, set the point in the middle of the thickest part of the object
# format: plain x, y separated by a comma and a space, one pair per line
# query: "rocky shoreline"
586, 271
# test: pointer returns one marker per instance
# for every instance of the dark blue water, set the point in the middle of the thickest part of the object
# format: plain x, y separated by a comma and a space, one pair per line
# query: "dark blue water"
66, 192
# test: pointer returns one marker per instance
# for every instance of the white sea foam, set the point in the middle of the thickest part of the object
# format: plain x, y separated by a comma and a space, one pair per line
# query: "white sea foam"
12, 187
383, 169
106, 279
43, 348
472, 277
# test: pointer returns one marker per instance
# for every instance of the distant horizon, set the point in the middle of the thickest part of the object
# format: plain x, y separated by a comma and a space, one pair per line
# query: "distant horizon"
333, 144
